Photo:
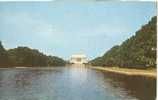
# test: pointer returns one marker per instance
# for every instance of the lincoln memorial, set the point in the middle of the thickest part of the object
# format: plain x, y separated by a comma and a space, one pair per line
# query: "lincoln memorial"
78, 59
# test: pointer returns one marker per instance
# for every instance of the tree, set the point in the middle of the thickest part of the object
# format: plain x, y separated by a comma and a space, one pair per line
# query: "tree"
4, 59
137, 51
24, 56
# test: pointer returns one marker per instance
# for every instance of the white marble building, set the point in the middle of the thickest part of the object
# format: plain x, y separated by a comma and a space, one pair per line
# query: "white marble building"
78, 59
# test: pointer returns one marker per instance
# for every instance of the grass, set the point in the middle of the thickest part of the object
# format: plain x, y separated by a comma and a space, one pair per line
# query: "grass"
150, 72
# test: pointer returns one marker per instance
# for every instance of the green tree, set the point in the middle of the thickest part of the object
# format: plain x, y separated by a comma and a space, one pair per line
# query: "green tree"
4, 59
24, 56
137, 51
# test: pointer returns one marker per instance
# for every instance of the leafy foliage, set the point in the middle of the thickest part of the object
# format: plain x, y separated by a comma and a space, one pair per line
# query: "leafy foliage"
4, 59
56, 61
24, 56
137, 51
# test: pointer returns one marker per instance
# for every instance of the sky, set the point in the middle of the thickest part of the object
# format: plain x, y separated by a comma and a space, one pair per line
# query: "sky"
66, 28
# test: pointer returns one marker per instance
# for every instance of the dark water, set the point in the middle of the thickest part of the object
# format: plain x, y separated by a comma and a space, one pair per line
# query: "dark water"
72, 83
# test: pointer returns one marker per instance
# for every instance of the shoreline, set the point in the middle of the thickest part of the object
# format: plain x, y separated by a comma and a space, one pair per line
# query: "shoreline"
151, 73
30, 67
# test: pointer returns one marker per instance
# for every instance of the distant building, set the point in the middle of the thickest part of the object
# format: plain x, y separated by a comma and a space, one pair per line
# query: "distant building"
78, 59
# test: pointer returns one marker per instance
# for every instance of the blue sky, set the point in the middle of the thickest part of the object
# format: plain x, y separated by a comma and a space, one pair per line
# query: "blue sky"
63, 29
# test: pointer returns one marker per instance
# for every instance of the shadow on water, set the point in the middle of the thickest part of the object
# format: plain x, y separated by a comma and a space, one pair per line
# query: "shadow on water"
142, 88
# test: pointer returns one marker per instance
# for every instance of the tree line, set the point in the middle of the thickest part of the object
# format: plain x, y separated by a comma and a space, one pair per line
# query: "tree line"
26, 57
138, 51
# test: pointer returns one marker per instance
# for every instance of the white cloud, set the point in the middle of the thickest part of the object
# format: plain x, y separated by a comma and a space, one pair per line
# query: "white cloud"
22, 29
25, 26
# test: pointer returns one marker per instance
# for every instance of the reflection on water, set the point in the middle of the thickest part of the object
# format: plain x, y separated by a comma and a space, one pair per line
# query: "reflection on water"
72, 83
142, 88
